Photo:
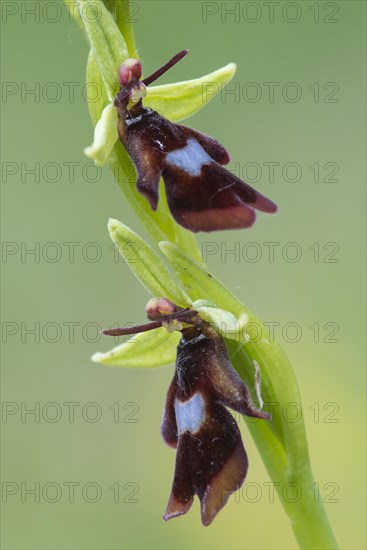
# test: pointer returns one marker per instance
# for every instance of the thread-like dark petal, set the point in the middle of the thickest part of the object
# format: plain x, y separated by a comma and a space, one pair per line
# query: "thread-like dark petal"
169, 426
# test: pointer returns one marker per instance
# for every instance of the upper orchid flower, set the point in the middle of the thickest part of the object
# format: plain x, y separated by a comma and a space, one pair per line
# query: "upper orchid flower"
201, 194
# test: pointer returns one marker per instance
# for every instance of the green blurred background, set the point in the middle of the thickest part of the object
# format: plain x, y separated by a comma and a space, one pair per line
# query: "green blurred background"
113, 439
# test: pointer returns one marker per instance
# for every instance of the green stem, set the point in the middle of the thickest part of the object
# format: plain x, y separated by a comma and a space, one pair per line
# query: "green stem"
307, 514
303, 504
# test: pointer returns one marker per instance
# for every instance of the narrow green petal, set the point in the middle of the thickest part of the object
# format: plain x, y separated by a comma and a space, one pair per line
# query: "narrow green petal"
183, 99
146, 265
146, 350
105, 136
106, 41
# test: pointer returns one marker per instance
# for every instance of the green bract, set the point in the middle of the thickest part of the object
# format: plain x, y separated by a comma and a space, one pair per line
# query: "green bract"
149, 349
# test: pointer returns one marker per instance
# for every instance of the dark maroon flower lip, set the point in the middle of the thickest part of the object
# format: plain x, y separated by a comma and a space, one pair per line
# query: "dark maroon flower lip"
211, 461
202, 195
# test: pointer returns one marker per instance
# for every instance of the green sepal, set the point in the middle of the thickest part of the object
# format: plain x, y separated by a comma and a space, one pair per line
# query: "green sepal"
94, 82
145, 350
183, 99
105, 135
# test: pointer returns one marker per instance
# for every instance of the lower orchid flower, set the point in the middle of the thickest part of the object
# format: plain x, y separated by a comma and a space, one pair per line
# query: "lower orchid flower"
211, 461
